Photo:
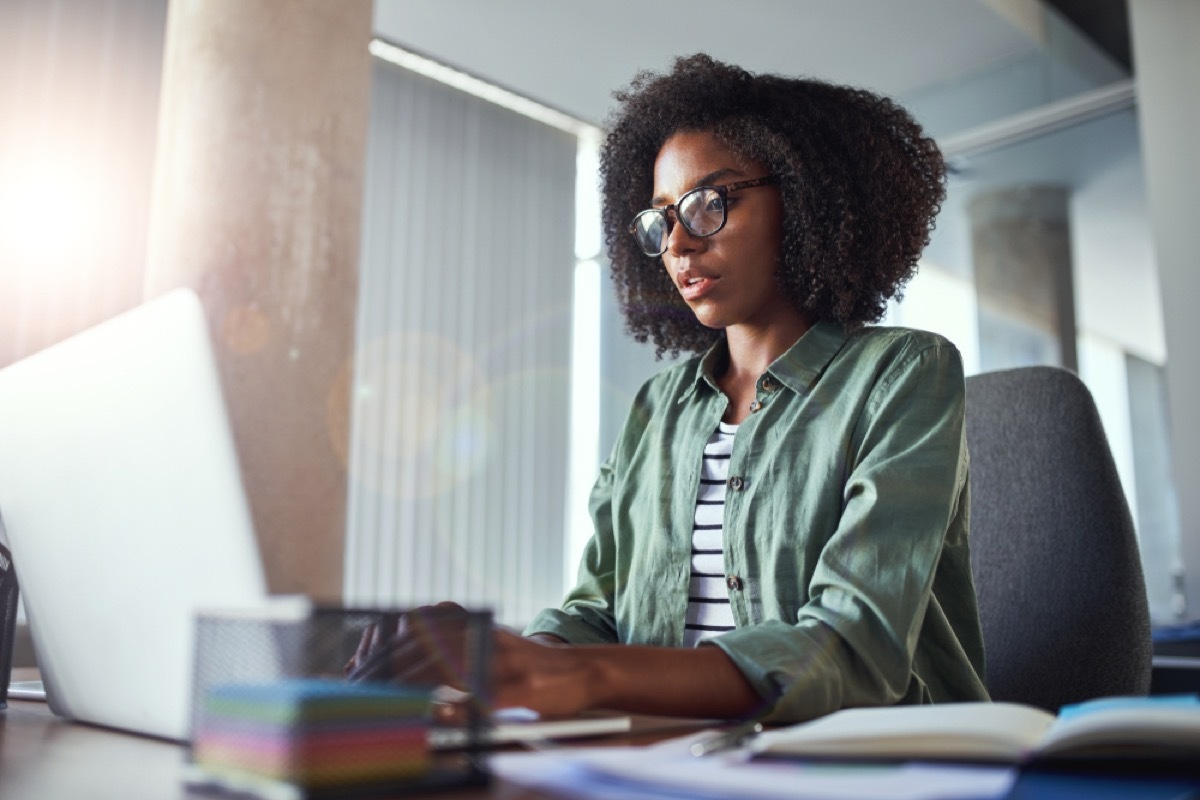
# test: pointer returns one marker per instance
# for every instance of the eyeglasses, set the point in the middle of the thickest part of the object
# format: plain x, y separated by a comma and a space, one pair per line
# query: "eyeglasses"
702, 211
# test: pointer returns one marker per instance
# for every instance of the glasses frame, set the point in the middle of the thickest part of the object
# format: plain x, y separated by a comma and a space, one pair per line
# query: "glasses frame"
722, 190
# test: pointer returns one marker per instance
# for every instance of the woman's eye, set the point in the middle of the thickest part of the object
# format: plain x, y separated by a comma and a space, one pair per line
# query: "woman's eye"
715, 203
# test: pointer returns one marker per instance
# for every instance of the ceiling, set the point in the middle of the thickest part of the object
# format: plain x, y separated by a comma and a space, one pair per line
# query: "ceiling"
571, 54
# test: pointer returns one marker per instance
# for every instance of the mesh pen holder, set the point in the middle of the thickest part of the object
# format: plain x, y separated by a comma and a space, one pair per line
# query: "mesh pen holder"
8, 620
276, 712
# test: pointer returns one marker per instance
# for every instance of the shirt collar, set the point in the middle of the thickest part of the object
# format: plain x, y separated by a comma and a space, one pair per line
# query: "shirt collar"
797, 369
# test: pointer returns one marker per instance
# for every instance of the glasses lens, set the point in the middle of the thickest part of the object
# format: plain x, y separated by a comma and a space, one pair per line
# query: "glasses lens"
650, 230
702, 211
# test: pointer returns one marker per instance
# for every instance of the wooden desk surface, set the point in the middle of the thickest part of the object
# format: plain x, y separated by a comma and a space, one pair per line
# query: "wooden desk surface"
46, 758
43, 757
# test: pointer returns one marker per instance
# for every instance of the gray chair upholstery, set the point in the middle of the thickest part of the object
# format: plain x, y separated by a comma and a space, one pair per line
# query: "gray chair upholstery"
1053, 549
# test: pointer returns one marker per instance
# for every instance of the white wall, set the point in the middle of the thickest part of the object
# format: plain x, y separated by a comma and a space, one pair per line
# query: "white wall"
624, 366
1116, 279
1167, 63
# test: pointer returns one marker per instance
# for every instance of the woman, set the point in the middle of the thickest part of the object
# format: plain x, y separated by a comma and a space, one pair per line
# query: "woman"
781, 527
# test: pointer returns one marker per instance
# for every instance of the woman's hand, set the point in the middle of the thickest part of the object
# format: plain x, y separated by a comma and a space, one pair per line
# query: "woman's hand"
428, 646
541, 673
437, 646
431, 646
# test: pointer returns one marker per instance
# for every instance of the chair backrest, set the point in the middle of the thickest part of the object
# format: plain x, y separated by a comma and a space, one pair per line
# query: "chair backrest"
1061, 594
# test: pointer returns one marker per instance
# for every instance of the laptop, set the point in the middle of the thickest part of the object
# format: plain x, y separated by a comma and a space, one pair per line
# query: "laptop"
125, 512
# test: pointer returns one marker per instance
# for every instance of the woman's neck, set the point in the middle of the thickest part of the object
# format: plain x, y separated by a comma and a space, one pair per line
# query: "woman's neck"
752, 350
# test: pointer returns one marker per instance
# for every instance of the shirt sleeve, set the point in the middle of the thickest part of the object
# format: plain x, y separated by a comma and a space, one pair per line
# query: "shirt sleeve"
853, 642
587, 615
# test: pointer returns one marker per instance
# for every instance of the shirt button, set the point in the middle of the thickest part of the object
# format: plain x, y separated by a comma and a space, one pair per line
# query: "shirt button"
734, 583
769, 385
755, 406
736, 483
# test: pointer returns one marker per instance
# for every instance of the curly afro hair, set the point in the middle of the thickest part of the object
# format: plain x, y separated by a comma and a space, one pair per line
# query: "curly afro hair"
859, 181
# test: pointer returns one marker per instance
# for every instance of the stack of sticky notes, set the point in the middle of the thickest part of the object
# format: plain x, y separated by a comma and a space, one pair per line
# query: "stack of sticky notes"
314, 733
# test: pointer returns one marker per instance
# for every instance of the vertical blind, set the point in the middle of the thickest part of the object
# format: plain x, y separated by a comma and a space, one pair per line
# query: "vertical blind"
458, 456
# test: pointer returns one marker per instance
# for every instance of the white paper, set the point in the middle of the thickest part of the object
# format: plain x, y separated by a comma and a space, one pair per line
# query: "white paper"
616, 773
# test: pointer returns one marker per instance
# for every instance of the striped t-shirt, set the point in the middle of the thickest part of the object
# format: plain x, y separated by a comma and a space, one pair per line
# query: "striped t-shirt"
708, 611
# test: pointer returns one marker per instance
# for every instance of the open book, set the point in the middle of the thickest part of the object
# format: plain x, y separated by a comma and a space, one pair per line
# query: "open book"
1150, 728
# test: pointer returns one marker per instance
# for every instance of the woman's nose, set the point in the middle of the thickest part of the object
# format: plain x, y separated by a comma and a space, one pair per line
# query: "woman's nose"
680, 240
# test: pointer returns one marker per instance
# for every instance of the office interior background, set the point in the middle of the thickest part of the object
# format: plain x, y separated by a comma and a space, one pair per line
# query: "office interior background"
459, 350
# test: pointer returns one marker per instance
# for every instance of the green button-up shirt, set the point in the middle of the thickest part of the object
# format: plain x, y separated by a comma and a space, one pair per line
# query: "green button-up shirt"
846, 518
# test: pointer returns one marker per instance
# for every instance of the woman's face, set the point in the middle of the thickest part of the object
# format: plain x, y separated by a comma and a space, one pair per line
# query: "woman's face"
727, 278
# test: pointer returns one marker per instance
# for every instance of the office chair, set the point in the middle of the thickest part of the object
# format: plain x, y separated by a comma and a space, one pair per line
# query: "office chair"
1059, 578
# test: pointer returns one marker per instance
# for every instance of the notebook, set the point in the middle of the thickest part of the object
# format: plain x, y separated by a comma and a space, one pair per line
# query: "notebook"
125, 512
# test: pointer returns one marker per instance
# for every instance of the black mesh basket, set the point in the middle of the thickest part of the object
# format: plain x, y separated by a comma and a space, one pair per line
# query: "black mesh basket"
8, 620
276, 710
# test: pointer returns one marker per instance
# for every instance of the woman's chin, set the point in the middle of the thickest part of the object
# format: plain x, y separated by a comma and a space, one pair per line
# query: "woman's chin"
710, 317
710, 322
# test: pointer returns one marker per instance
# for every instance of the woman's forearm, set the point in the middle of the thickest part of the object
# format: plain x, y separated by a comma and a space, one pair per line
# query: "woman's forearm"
673, 681
566, 679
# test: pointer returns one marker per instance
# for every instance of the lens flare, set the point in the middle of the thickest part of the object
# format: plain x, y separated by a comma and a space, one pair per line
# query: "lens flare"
52, 214
423, 409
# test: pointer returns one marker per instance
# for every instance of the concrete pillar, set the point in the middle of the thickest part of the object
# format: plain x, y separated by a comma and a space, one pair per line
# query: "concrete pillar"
257, 195
1021, 253
1167, 67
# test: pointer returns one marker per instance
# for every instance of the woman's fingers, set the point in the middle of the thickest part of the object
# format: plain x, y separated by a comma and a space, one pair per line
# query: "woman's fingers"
433, 645
418, 660
366, 643
438, 645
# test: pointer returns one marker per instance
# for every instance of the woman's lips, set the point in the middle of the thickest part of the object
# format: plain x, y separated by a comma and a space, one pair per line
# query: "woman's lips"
695, 287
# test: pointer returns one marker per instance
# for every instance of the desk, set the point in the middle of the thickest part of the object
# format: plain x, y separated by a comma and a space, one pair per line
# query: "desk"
46, 758
43, 757
1175, 675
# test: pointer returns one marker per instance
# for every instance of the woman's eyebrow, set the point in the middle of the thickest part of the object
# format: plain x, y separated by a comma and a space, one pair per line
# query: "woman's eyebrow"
713, 177
707, 180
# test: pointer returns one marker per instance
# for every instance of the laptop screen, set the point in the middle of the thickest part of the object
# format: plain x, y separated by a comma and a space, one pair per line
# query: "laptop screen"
125, 512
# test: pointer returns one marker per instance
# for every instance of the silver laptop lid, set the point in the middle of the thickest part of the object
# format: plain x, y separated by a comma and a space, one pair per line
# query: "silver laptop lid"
125, 512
